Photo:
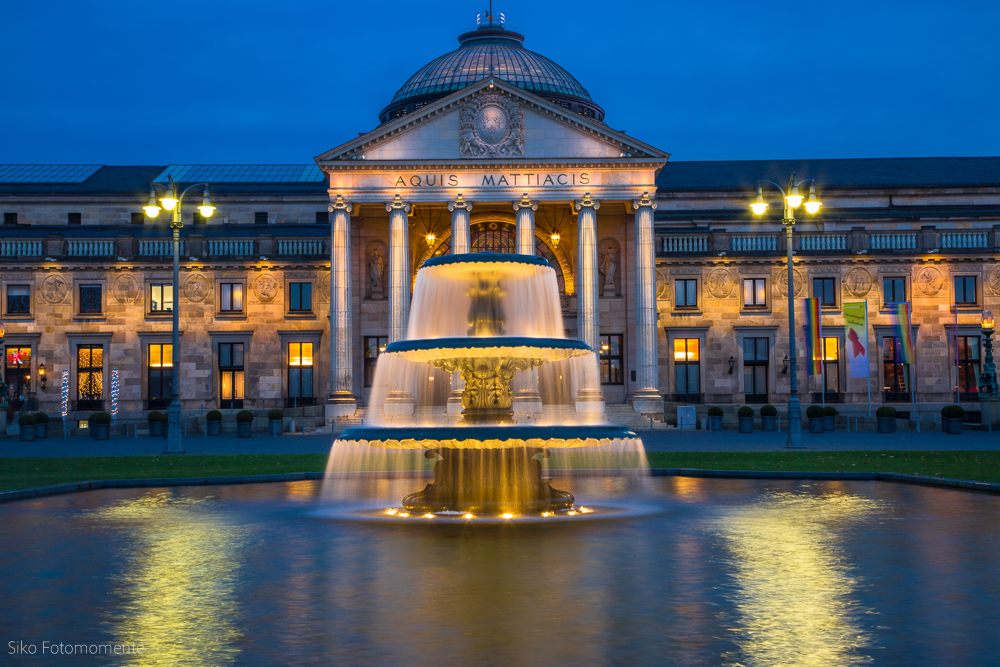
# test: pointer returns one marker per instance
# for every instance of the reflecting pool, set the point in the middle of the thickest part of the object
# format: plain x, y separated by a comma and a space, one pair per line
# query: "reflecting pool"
709, 572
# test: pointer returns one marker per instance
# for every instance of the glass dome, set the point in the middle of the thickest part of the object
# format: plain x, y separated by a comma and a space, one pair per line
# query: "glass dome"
491, 50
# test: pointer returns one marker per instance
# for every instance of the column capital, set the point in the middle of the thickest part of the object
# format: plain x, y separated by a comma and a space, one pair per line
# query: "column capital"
397, 204
645, 201
525, 203
586, 202
460, 203
340, 205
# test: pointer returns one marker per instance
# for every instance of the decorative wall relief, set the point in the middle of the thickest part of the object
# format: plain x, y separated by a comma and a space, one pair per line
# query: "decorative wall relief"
492, 125
377, 265
265, 288
781, 282
858, 282
994, 280
55, 288
324, 288
608, 264
196, 288
929, 281
661, 286
721, 283
126, 289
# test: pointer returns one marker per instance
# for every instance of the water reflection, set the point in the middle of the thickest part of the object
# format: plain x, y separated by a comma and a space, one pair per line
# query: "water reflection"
795, 594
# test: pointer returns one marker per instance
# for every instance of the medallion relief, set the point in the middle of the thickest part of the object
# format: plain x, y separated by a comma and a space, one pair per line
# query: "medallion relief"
994, 280
324, 288
55, 288
492, 125
781, 282
661, 286
196, 288
929, 281
720, 283
265, 288
126, 289
858, 282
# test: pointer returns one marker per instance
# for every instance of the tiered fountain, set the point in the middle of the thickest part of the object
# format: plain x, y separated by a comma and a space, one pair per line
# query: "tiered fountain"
488, 385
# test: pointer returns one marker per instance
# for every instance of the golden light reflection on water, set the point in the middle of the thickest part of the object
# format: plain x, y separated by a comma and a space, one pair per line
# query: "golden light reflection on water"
178, 586
796, 597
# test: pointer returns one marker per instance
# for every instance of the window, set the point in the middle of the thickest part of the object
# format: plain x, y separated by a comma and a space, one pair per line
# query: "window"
161, 298
90, 299
687, 370
754, 292
300, 297
685, 293
138, 218
322, 217
197, 218
894, 290
755, 369
17, 375
965, 290
967, 357
160, 373
831, 364
231, 297
895, 373
18, 300
300, 374
90, 377
74, 218
373, 347
10, 218
823, 289
611, 359
231, 375
260, 218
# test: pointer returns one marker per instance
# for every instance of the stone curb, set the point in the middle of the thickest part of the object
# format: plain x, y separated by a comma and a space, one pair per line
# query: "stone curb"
74, 487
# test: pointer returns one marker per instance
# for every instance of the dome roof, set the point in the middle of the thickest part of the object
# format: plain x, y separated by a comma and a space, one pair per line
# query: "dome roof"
489, 51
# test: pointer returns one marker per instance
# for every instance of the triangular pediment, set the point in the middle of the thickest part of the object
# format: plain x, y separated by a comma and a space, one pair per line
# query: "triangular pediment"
492, 122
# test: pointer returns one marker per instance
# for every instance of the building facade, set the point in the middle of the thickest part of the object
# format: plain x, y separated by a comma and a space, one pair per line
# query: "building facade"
288, 293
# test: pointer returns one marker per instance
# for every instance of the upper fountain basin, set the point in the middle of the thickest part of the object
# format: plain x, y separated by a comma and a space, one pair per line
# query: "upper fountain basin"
486, 258
511, 347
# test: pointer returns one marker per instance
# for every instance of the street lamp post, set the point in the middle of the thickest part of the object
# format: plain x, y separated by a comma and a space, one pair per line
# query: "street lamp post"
172, 202
792, 201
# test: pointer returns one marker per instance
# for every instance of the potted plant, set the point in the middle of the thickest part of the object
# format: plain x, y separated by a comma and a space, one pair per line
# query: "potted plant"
715, 418
829, 418
768, 417
244, 423
815, 414
100, 425
41, 425
213, 422
745, 414
27, 424
886, 416
275, 417
155, 424
951, 417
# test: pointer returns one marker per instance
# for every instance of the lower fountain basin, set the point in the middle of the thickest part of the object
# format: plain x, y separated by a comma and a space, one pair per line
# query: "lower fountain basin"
506, 437
471, 347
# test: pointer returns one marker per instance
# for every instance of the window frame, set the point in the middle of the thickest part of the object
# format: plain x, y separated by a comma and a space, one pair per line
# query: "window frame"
151, 285
688, 282
754, 307
10, 218
300, 400
231, 403
368, 362
73, 218
17, 315
603, 356
906, 289
78, 289
290, 284
977, 284
686, 397
261, 218
962, 364
835, 289
230, 314
685, 310
883, 331
164, 376
90, 402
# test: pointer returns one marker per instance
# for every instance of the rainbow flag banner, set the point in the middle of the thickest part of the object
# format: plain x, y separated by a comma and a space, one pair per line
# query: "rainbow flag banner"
856, 335
903, 330
814, 337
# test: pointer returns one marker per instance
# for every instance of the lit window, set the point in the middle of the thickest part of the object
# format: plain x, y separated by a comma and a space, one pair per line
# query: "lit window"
754, 292
373, 347
231, 375
968, 367
687, 370
231, 297
895, 373
90, 377
611, 359
161, 298
160, 375
300, 373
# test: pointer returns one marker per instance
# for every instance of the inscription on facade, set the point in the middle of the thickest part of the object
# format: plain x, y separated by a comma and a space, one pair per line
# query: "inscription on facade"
507, 180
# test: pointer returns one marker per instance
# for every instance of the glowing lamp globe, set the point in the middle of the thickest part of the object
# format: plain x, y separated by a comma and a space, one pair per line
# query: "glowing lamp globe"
151, 208
793, 198
987, 321
812, 203
759, 205
206, 209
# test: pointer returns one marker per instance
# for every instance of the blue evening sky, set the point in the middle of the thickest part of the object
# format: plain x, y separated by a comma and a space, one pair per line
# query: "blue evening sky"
221, 81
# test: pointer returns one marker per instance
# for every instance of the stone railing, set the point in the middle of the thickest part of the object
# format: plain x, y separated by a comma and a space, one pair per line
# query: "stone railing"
893, 241
682, 243
964, 240
21, 248
822, 242
301, 247
230, 247
90, 248
159, 248
753, 242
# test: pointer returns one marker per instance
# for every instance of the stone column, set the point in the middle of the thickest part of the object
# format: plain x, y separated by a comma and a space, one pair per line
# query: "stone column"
399, 268
461, 239
341, 400
588, 398
525, 210
647, 398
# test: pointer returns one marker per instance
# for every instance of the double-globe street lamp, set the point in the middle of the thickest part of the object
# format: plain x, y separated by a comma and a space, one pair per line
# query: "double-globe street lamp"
793, 199
173, 202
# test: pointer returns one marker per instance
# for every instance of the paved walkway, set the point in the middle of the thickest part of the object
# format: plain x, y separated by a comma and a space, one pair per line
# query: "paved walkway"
662, 441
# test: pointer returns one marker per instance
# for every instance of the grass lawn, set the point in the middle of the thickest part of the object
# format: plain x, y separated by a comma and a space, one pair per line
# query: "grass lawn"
19, 473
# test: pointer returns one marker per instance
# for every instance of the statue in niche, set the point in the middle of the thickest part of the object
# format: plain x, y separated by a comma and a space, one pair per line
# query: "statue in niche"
375, 266
608, 266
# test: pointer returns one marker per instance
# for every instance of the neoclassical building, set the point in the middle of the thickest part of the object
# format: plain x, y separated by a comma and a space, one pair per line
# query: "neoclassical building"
289, 292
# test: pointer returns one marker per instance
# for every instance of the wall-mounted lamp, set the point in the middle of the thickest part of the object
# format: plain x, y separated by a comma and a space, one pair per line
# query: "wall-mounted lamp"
784, 367
732, 364
41, 375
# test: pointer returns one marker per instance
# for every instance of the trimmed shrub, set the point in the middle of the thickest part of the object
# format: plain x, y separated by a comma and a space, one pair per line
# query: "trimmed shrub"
745, 411
155, 416
244, 416
814, 411
768, 411
26, 420
715, 411
41, 418
953, 411
829, 411
886, 411
214, 416
100, 418
275, 414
